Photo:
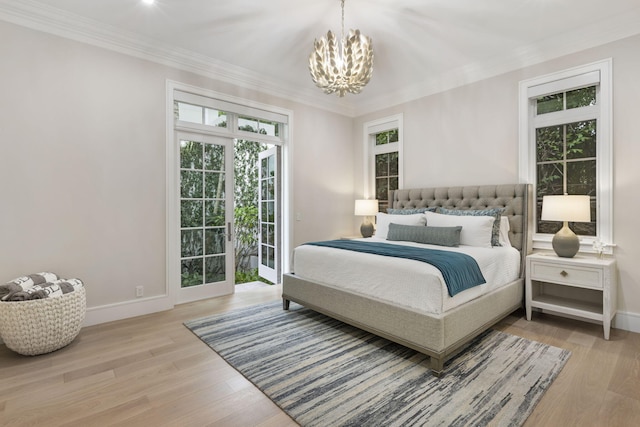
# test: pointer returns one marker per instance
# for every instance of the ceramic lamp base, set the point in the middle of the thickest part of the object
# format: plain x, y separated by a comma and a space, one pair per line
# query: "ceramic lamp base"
366, 229
565, 242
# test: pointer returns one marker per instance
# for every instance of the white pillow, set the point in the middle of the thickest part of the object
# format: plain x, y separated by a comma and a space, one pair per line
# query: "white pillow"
383, 220
476, 230
504, 232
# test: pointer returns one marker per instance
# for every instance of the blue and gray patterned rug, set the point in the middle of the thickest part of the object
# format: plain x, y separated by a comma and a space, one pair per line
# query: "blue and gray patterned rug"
323, 372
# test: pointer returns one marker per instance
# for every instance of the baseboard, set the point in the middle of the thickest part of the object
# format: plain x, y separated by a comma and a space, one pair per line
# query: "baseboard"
127, 309
107, 313
623, 320
627, 321
124, 310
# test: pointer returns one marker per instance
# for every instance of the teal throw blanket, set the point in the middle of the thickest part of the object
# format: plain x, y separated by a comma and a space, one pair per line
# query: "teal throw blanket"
460, 271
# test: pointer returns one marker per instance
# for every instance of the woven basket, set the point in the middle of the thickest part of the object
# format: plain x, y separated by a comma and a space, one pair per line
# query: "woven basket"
43, 325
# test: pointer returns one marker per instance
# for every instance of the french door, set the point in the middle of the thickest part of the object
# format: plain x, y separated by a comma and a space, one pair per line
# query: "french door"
206, 216
269, 244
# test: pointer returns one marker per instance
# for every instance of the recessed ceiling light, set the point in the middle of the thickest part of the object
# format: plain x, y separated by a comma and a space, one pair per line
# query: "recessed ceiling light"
148, 1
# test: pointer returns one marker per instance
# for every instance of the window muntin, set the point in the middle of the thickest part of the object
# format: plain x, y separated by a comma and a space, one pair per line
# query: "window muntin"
200, 227
566, 146
178, 130
205, 118
566, 154
202, 213
215, 118
387, 137
566, 164
383, 154
576, 98
200, 115
229, 119
268, 202
386, 177
263, 127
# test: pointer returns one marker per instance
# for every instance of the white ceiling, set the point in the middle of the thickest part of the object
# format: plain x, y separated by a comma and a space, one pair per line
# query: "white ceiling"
420, 46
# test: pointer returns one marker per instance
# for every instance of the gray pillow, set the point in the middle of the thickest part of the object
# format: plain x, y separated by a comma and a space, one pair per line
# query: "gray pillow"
443, 236
494, 212
409, 211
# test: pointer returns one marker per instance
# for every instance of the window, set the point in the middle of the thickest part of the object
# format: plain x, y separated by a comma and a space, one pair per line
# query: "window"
215, 116
263, 127
204, 219
383, 165
202, 212
565, 146
200, 115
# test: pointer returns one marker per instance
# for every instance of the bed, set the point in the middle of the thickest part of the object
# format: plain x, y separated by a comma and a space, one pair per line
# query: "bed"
423, 316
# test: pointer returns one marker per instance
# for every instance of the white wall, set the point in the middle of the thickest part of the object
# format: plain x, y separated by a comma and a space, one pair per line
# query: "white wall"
82, 167
469, 136
323, 177
82, 162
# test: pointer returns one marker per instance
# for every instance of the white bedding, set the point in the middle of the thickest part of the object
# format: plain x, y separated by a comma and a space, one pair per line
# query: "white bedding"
413, 284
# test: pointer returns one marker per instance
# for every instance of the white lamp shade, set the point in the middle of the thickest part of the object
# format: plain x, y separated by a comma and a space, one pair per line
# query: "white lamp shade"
566, 208
366, 207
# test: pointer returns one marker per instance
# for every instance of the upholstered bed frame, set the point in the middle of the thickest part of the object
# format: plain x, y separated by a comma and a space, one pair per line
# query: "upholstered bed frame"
439, 336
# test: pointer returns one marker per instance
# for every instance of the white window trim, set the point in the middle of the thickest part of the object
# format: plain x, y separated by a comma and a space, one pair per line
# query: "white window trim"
561, 81
234, 109
369, 129
173, 216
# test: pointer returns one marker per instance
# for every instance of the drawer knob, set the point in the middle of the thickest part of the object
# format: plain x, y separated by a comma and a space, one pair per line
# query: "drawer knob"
564, 273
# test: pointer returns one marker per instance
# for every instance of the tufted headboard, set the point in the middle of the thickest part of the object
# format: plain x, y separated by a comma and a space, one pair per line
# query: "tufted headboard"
516, 198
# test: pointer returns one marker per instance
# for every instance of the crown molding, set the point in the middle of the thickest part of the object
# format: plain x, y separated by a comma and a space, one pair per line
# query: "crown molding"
40, 17
616, 28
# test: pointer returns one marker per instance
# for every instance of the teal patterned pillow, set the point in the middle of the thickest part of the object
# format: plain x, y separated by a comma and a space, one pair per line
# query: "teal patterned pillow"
411, 211
494, 212
443, 236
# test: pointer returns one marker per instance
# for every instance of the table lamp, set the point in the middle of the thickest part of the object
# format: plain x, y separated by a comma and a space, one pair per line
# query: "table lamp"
366, 208
566, 208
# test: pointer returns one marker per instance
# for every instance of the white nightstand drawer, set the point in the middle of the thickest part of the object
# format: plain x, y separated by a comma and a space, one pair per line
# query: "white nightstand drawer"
581, 276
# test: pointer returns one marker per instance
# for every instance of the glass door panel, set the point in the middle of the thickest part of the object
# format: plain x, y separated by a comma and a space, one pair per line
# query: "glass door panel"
269, 215
206, 244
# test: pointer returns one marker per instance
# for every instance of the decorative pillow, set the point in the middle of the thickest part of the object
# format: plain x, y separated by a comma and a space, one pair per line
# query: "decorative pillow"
383, 220
443, 236
494, 212
411, 211
476, 230
504, 232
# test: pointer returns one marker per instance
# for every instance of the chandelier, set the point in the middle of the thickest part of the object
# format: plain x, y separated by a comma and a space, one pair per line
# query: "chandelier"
342, 67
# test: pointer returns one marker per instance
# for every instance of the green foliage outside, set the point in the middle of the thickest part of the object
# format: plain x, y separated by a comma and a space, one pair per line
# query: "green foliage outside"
247, 276
205, 160
566, 156
387, 137
387, 171
250, 276
191, 279
246, 159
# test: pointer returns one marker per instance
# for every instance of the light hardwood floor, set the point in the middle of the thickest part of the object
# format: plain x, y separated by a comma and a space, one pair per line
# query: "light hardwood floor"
152, 371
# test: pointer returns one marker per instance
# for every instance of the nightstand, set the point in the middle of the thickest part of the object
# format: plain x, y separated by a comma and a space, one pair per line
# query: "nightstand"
582, 287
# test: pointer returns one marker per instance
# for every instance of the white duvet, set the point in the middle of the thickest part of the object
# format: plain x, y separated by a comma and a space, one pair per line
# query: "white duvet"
408, 283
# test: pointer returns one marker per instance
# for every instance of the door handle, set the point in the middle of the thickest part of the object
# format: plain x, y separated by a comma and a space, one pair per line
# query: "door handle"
229, 231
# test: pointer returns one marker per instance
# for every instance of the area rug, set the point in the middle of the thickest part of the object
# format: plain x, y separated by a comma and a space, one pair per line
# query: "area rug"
323, 372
